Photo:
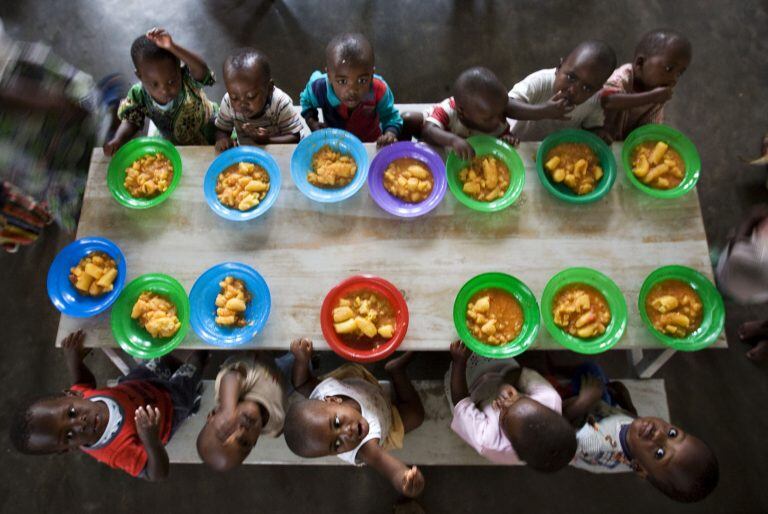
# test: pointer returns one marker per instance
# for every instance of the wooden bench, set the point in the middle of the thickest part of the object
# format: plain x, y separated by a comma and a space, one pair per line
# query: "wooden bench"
431, 444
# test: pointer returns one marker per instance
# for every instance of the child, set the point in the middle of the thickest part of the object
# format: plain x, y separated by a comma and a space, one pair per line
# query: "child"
169, 94
476, 107
678, 464
350, 95
566, 96
250, 401
125, 426
348, 415
635, 93
259, 112
522, 423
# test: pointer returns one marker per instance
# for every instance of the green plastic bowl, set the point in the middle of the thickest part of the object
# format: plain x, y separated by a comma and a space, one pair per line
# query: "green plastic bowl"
612, 294
130, 153
713, 319
604, 155
521, 293
677, 142
487, 145
131, 336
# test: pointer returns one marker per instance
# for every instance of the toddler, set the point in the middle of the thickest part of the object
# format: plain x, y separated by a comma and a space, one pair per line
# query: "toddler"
350, 95
349, 415
169, 94
259, 112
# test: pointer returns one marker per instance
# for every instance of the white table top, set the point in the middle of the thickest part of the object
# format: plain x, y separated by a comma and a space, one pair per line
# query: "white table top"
304, 248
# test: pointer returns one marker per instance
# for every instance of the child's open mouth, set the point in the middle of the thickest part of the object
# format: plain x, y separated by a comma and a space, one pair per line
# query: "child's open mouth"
647, 431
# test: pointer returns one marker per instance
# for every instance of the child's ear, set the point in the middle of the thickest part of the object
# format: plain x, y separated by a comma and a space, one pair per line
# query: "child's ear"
69, 392
138, 75
638, 469
639, 61
560, 63
332, 399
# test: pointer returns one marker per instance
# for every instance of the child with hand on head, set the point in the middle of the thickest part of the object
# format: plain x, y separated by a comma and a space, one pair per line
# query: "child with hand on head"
477, 107
507, 414
250, 401
636, 92
125, 426
169, 94
566, 96
350, 95
259, 112
348, 414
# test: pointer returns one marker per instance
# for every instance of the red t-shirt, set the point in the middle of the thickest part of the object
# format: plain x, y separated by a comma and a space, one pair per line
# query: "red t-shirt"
125, 451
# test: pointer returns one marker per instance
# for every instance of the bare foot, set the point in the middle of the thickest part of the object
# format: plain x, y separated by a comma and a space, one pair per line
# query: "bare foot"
759, 353
398, 364
753, 330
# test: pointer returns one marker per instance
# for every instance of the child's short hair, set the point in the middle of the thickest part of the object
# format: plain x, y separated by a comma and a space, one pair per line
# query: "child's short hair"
19, 431
546, 441
600, 51
295, 426
704, 482
656, 41
479, 82
143, 49
352, 47
248, 57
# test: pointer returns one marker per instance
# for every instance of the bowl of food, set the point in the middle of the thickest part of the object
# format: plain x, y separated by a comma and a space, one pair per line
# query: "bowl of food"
242, 183
576, 166
660, 161
407, 179
86, 277
496, 315
151, 316
364, 318
681, 308
229, 304
330, 165
144, 172
490, 181
584, 310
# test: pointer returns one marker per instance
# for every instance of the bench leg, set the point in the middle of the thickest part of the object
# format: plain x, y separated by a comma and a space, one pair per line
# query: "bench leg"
117, 360
646, 368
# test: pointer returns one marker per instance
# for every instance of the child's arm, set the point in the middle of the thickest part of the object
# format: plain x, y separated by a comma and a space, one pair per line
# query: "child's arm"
225, 421
309, 106
575, 409
459, 354
261, 136
390, 119
147, 425
197, 66
556, 108
603, 133
124, 132
622, 101
433, 134
74, 353
408, 481
301, 377
224, 140
284, 139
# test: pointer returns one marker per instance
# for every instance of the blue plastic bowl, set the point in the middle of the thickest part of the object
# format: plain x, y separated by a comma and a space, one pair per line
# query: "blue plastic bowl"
203, 309
339, 140
63, 294
234, 156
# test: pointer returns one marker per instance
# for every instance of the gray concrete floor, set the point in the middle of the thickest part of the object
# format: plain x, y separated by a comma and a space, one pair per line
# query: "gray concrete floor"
421, 46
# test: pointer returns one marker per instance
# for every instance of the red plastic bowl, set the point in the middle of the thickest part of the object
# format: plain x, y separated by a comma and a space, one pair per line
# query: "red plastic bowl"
376, 285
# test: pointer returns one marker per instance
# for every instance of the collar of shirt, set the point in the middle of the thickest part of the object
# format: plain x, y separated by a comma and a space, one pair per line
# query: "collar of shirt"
114, 423
163, 107
623, 432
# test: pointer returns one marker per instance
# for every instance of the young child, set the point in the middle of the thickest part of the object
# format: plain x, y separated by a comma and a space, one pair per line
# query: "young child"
566, 96
259, 112
349, 415
514, 423
612, 440
350, 95
125, 426
168, 94
250, 401
477, 107
636, 92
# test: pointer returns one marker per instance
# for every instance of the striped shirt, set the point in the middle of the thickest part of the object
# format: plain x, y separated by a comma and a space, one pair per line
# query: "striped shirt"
446, 116
278, 117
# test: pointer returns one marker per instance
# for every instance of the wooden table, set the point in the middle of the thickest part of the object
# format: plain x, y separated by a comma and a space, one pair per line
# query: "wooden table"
304, 248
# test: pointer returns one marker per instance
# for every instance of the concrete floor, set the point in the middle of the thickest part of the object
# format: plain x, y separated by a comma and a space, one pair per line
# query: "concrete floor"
421, 46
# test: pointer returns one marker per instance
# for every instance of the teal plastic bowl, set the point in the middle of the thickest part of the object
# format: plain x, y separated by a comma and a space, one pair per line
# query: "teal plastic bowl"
130, 153
604, 155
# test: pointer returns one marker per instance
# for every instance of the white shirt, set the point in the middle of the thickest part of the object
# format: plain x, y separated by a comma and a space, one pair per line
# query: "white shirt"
598, 445
114, 422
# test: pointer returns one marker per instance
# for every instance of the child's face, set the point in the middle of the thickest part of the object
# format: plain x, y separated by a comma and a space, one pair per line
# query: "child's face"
481, 115
335, 427
663, 69
662, 450
579, 77
350, 81
161, 78
248, 90
64, 423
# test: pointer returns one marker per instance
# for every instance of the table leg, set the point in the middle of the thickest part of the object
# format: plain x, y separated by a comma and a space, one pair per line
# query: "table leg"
648, 369
118, 361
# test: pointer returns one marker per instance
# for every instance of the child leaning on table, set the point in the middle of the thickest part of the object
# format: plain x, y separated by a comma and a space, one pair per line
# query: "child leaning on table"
636, 92
250, 402
259, 112
348, 414
169, 94
126, 426
507, 414
476, 107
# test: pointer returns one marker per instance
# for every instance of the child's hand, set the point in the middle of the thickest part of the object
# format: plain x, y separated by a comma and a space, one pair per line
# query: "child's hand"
258, 134
510, 139
147, 423
315, 124
662, 94
507, 396
557, 107
73, 345
463, 149
111, 146
302, 350
591, 389
160, 37
413, 482
224, 423
603, 134
459, 352
225, 143
387, 138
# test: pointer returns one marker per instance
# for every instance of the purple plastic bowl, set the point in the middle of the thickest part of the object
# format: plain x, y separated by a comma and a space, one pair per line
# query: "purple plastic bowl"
401, 150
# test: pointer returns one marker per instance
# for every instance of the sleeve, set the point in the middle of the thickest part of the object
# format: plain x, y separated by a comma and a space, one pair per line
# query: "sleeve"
618, 82
596, 116
470, 423
82, 388
225, 117
288, 120
307, 98
530, 89
440, 114
389, 116
539, 389
208, 79
132, 108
